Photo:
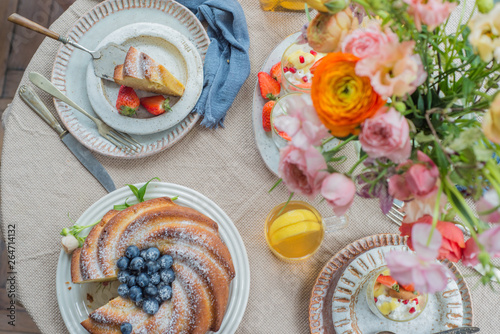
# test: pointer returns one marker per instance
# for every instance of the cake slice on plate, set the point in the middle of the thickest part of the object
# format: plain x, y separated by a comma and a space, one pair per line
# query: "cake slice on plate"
140, 71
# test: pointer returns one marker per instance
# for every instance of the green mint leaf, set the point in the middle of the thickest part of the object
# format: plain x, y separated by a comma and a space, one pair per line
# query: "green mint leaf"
135, 191
175, 198
141, 192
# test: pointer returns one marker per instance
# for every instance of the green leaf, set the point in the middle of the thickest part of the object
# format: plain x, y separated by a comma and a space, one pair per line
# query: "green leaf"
275, 185
423, 138
420, 103
175, 198
122, 206
141, 192
482, 153
441, 161
134, 190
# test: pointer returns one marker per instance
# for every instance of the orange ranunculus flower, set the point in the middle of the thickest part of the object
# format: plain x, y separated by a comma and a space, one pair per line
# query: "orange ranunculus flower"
343, 100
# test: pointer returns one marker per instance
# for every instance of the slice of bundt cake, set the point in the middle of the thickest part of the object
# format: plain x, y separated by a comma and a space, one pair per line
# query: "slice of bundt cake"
140, 71
202, 264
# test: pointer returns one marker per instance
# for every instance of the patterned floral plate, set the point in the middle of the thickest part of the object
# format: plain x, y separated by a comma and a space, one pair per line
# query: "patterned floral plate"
338, 298
70, 67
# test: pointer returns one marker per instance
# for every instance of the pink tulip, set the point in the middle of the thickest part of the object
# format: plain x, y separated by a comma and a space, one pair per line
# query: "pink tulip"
386, 135
302, 123
367, 42
395, 70
430, 12
302, 171
421, 267
488, 202
420, 179
490, 239
339, 191
470, 254
452, 243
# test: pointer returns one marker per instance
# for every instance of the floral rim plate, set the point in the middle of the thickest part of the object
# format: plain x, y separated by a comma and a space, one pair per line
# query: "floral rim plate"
323, 309
166, 46
74, 303
70, 68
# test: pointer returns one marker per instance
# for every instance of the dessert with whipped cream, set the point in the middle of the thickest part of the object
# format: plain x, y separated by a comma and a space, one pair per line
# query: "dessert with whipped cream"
394, 301
298, 65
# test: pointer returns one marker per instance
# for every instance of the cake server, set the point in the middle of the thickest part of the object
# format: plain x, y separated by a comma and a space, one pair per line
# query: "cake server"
105, 59
81, 152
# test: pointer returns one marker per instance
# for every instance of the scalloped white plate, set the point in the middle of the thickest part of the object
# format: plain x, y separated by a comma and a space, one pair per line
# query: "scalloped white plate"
167, 47
70, 68
73, 302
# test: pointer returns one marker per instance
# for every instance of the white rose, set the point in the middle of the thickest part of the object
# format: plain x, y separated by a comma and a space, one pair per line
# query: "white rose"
485, 34
69, 243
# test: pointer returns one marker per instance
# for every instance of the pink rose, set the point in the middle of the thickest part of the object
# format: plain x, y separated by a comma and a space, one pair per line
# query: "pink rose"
339, 191
419, 180
302, 171
386, 135
421, 267
367, 42
490, 239
471, 251
395, 70
429, 12
302, 123
488, 202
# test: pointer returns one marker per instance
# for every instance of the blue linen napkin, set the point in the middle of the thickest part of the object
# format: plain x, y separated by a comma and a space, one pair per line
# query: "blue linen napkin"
227, 64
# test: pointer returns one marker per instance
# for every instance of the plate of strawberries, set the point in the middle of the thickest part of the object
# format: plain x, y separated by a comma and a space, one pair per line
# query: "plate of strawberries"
267, 92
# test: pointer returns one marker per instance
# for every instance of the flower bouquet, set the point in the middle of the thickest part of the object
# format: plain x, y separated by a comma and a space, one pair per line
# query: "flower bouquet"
421, 99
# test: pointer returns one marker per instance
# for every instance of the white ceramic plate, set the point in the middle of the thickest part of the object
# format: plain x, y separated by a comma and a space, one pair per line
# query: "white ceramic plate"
167, 47
73, 302
70, 68
350, 311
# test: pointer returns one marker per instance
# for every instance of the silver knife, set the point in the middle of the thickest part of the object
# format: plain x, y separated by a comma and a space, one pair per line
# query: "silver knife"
461, 330
81, 152
105, 59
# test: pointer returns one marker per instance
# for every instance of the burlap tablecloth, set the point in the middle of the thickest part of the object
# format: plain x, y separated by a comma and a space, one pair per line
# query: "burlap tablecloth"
41, 182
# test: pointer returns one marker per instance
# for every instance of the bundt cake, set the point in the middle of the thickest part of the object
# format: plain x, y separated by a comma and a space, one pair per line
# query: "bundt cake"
140, 71
202, 264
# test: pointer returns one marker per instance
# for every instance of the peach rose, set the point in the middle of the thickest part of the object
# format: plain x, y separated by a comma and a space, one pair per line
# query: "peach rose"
327, 31
491, 121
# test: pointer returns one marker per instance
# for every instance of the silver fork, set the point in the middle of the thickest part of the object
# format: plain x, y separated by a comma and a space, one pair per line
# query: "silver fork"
121, 140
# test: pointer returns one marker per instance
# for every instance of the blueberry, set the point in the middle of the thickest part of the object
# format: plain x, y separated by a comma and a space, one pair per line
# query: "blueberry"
167, 275
123, 276
132, 251
153, 267
139, 303
166, 261
150, 306
126, 328
142, 280
137, 263
143, 253
161, 285
123, 290
133, 292
152, 254
151, 290
131, 281
165, 292
155, 278
122, 263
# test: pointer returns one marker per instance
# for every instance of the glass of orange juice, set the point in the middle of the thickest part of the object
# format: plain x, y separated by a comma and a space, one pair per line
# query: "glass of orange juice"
295, 231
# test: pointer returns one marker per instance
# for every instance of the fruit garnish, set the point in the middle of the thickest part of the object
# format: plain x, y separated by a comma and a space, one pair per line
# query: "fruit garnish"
300, 59
293, 70
388, 281
276, 72
156, 105
412, 310
127, 101
269, 88
304, 78
304, 227
290, 218
283, 135
408, 287
314, 53
266, 115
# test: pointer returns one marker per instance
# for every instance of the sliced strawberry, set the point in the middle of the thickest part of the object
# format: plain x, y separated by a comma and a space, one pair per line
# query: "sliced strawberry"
127, 102
408, 287
269, 88
156, 105
276, 72
283, 135
266, 115
388, 281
